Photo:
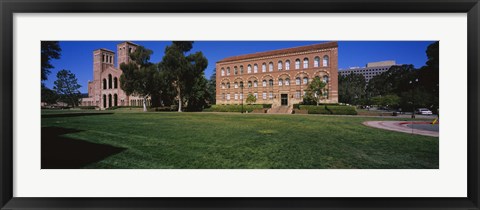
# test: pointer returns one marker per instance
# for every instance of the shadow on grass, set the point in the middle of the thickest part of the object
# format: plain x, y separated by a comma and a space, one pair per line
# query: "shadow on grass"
60, 152
73, 114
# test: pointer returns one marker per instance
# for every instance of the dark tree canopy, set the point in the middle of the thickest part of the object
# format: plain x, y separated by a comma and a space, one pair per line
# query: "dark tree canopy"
67, 88
212, 91
49, 50
351, 88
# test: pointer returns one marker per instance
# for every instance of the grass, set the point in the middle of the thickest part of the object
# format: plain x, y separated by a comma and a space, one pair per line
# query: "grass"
246, 141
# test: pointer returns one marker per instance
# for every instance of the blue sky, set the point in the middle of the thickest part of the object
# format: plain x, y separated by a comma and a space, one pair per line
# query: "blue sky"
76, 56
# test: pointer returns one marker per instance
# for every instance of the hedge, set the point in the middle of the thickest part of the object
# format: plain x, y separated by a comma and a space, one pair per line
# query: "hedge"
86, 107
236, 108
329, 109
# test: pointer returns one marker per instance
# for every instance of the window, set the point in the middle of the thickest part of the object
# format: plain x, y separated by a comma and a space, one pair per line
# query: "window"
255, 68
280, 82
249, 83
325, 79
270, 83
228, 85
305, 63
264, 95
325, 60
316, 62
264, 67
241, 96
270, 95
241, 84
270, 66
223, 72
297, 94
235, 70
241, 69
115, 83
236, 85
110, 81
228, 71
287, 82
223, 85
104, 84
297, 80
236, 96
256, 95
255, 83
264, 83
279, 65
287, 65
228, 96
297, 64
305, 80
249, 68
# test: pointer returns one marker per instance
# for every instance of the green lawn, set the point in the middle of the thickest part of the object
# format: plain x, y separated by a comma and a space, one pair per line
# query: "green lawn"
232, 140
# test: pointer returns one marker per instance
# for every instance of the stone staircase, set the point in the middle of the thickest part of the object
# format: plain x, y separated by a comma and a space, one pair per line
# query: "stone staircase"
280, 110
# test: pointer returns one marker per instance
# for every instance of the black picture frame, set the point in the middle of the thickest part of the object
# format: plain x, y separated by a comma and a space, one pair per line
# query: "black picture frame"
10, 7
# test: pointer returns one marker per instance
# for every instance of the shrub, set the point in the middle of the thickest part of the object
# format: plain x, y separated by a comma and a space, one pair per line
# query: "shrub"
233, 108
86, 107
329, 109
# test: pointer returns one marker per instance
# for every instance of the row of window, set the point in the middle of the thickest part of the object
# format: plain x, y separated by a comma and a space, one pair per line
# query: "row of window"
109, 85
281, 82
239, 96
316, 63
107, 58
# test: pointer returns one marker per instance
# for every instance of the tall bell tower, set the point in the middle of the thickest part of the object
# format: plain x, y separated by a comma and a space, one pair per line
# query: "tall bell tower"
123, 52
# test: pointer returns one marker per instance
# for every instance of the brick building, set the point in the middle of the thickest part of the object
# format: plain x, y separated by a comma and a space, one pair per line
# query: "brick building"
104, 91
278, 77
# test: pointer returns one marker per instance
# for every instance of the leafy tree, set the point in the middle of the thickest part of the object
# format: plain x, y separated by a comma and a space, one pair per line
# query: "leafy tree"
49, 50
387, 100
315, 90
67, 88
212, 91
49, 96
250, 99
185, 74
140, 77
351, 88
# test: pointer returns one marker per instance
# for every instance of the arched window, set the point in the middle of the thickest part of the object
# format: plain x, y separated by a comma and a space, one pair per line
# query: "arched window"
255, 68
235, 70
280, 82
305, 80
104, 101
104, 84
305, 63
115, 83
255, 83
316, 62
325, 79
279, 65
228, 85
325, 60
241, 84
249, 68
264, 83
115, 100
270, 82
297, 63
110, 81
109, 100
241, 69
223, 72
249, 83
287, 82
297, 80
287, 65
270, 66
235, 85
228, 71
264, 67
223, 85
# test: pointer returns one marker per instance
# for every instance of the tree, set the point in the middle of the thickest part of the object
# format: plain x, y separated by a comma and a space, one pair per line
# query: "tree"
212, 91
315, 90
49, 50
49, 96
185, 74
251, 99
140, 77
387, 100
351, 88
67, 88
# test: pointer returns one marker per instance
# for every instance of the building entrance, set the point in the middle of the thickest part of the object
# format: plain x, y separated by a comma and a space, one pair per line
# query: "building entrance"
284, 99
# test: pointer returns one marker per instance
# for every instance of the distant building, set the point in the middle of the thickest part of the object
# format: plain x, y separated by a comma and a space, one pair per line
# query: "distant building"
370, 70
278, 77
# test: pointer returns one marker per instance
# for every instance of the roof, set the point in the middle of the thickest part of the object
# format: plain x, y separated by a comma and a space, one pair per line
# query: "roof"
105, 49
281, 51
129, 42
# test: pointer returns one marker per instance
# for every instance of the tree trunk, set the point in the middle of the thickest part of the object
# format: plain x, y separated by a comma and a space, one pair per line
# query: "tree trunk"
179, 100
144, 103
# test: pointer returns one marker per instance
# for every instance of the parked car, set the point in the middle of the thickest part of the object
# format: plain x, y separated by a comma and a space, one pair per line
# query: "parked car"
424, 111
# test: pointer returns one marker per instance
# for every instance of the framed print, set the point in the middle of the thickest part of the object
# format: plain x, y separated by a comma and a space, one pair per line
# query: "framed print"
239, 105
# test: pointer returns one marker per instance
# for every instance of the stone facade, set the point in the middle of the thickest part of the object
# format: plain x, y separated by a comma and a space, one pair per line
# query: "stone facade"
278, 77
104, 90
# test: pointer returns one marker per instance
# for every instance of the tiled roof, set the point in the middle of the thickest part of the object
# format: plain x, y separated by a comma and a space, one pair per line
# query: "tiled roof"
281, 51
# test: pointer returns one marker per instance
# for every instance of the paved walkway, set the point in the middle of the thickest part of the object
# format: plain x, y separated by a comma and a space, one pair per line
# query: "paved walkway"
402, 126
